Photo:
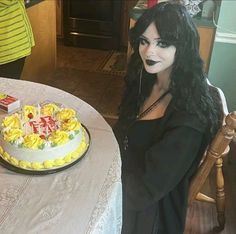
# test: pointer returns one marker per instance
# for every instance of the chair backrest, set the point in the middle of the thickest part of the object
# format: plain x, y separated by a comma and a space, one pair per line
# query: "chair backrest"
218, 147
223, 101
222, 97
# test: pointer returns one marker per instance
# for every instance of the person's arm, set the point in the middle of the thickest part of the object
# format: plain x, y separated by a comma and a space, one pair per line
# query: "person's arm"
166, 164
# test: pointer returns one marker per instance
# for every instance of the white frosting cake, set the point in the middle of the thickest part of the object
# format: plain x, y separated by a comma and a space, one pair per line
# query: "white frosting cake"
42, 137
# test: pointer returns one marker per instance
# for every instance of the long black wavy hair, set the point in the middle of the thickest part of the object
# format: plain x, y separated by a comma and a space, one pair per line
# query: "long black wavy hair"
188, 83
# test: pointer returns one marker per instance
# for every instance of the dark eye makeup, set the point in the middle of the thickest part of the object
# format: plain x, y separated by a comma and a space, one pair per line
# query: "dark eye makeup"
143, 41
160, 43
163, 44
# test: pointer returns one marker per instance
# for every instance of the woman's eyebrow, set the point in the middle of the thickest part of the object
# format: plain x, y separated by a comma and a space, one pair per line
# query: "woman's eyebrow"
143, 37
155, 39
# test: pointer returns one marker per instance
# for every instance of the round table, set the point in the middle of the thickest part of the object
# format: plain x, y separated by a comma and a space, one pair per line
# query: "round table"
85, 198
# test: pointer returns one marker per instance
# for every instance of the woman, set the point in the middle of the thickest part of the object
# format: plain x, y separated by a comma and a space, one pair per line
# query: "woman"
168, 115
16, 38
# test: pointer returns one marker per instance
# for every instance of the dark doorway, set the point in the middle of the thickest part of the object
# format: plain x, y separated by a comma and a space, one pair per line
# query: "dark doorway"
92, 23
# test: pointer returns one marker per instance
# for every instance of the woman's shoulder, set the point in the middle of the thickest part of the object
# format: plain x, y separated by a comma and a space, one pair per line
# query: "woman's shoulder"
177, 118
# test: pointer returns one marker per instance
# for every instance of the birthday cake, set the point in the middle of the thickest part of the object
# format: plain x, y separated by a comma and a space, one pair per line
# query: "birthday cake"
42, 137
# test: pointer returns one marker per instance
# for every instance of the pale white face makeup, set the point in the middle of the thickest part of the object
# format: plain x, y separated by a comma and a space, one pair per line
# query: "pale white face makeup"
157, 55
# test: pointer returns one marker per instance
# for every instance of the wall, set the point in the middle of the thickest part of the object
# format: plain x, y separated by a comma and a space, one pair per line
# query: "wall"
222, 71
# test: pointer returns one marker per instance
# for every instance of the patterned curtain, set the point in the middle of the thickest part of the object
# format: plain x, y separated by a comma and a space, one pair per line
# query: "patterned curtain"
192, 6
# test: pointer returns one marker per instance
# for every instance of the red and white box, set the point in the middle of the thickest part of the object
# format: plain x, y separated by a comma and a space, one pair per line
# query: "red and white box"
9, 103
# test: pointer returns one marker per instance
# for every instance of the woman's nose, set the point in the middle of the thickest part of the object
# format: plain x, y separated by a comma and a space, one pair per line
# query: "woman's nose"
150, 50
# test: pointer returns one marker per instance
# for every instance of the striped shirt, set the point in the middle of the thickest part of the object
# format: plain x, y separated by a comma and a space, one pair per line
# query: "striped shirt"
16, 37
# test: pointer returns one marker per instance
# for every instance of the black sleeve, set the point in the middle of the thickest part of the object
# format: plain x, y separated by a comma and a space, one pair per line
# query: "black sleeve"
166, 163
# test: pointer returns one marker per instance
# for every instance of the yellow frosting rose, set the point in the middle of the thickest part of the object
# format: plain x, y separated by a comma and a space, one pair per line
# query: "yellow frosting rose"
33, 141
67, 158
59, 137
1, 150
2, 95
65, 114
24, 164
36, 166
48, 164
59, 162
75, 154
49, 109
14, 161
29, 109
6, 156
11, 121
12, 134
70, 125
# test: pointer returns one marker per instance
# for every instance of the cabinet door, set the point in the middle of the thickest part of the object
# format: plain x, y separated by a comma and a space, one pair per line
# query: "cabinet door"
92, 24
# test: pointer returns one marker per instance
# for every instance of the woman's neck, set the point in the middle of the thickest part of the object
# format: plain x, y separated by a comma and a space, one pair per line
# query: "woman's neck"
162, 82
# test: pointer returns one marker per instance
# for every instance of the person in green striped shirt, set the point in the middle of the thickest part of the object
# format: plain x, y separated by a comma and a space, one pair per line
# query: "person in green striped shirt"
16, 38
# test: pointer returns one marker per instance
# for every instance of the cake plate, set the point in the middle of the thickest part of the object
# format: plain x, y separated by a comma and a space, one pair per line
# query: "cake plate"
51, 171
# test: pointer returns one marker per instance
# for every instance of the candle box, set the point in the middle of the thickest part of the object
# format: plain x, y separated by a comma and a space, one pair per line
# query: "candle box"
9, 103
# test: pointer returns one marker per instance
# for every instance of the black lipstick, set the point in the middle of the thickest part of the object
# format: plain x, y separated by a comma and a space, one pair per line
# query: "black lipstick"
150, 62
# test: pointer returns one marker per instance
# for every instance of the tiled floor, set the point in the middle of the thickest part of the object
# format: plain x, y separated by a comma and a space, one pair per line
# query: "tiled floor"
73, 74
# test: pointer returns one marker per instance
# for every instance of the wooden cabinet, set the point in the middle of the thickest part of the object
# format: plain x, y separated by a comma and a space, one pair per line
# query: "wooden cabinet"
59, 18
127, 7
42, 60
207, 36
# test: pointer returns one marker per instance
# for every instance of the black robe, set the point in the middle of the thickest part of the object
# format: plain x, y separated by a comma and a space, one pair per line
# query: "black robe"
161, 157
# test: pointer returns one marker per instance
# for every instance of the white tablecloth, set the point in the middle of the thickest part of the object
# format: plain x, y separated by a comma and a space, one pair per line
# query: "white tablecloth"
85, 198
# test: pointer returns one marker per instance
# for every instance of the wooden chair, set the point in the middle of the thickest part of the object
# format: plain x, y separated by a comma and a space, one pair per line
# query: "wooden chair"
214, 156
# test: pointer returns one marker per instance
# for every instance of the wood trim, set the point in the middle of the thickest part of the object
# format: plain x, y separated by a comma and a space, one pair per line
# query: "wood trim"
59, 18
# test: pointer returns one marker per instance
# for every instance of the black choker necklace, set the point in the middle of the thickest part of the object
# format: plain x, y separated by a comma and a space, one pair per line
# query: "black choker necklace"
153, 105
141, 115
